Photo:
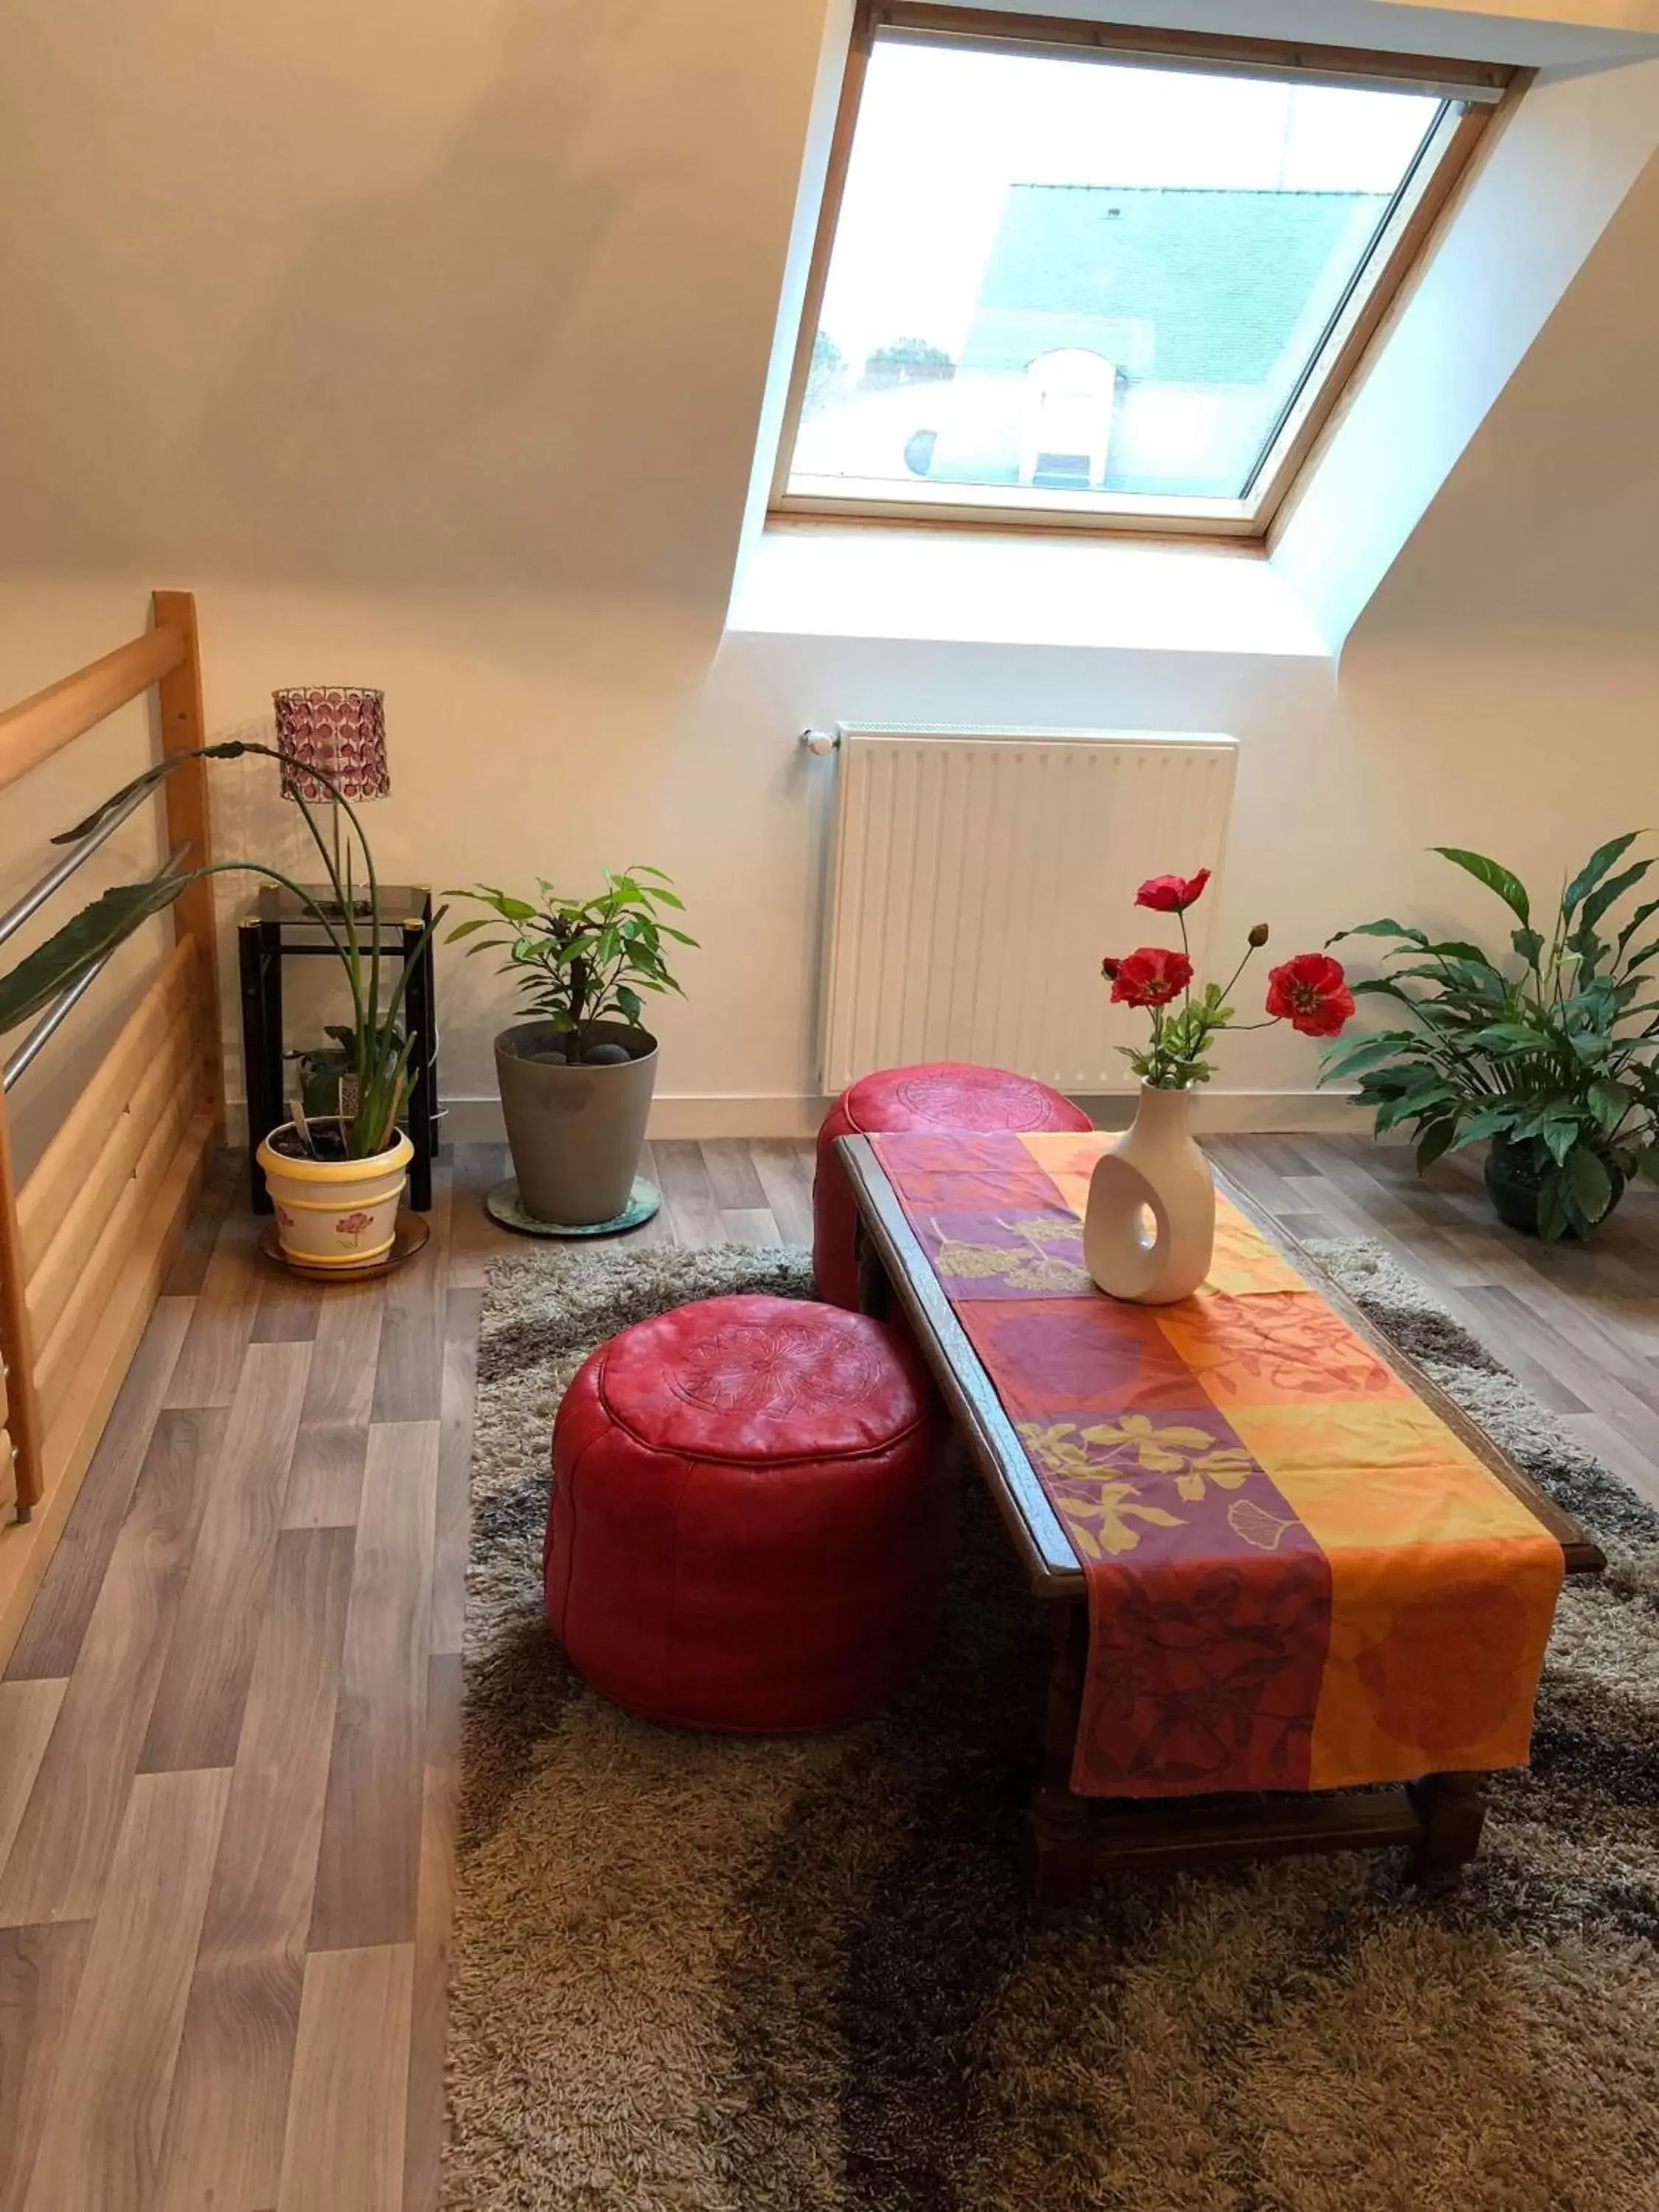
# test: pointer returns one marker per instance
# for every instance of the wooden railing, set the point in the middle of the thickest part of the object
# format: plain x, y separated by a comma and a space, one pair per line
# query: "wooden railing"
87, 1239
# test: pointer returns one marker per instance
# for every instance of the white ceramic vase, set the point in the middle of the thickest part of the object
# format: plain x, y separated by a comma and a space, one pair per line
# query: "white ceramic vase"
1150, 1227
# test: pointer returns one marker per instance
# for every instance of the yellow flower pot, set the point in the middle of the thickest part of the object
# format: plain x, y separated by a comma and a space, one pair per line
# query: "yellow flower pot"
336, 1213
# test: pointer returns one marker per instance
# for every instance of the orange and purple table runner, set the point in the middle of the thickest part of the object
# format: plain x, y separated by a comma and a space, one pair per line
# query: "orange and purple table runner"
1299, 1577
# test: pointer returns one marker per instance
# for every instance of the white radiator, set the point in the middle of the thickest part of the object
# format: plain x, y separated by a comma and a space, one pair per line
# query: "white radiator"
977, 877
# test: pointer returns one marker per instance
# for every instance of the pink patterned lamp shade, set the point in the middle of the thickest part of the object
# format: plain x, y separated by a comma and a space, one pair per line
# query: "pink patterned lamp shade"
338, 728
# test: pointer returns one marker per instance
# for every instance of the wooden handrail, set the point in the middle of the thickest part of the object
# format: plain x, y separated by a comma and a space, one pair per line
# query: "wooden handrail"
49, 1192
184, 729
33, 731
49, 1465
17, 1340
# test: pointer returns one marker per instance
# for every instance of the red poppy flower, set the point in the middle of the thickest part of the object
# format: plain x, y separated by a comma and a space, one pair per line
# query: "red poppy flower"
1171, 894
1311, 994
1152, 976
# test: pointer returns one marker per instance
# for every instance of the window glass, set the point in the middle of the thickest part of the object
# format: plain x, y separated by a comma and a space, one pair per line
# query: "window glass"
1062, 275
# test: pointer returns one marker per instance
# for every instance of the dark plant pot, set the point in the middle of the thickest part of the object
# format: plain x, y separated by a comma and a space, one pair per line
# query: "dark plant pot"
575, 1132
321, 1072
1512, 1182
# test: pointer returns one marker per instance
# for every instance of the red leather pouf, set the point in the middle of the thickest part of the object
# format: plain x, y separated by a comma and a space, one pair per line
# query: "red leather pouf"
751, 1521
945, 1094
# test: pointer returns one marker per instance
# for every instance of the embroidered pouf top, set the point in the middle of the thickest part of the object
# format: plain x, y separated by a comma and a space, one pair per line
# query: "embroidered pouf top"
750, 1519
942, 1094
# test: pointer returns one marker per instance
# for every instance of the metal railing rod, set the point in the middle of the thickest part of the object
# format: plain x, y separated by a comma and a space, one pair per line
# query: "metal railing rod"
59, 1012
32, 902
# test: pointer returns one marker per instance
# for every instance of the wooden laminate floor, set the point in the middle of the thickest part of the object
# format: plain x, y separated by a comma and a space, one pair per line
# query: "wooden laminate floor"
228, 1736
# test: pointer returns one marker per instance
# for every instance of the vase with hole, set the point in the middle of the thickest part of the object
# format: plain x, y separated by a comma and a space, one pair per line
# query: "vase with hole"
1150, 1227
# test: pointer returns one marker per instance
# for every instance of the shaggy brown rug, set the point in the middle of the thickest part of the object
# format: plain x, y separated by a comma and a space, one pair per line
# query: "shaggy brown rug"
706, 1974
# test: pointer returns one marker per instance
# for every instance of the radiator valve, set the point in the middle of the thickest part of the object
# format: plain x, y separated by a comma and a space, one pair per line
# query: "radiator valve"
820, 741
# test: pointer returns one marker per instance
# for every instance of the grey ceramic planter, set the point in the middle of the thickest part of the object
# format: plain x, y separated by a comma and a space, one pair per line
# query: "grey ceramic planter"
576, 1133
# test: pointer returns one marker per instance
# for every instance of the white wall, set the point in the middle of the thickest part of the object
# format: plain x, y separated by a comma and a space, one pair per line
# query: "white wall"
426, 346
428, 350
1485, 744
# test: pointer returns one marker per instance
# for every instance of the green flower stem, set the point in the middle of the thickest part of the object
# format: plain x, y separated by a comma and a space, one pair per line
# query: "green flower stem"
1227, 988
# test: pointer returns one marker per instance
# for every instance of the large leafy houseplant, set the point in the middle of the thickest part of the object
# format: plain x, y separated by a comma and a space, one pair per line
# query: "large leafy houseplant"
578, 962
1549, 1054
578, 1076
374, 1039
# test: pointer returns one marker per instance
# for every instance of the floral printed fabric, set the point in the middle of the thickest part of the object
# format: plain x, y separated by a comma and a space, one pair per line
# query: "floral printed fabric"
1299, 1577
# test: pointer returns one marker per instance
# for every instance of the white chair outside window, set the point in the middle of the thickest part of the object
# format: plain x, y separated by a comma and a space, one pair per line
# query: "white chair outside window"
1066, 434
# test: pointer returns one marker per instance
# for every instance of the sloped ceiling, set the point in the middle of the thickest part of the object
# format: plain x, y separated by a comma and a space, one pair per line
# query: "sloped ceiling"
1538, 33
1550, 518
1596, 15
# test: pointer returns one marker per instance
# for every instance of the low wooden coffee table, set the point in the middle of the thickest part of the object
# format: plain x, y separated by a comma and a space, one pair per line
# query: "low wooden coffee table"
1437, 1818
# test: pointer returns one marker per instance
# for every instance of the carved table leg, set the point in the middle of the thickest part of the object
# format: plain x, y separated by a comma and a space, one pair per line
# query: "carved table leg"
1452, 1808
1059, 1819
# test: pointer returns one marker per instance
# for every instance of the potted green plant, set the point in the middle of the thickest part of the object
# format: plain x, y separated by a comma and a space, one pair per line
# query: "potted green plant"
1549, 1055
328, 1072
576, 1079
335, 1180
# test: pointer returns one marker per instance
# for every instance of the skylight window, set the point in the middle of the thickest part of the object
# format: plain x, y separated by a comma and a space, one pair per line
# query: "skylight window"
1090, 276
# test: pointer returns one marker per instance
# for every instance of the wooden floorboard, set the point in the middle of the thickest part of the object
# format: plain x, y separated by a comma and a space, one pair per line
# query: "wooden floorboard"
408, 1369
228, 2117
346, 2117
284, 1315
784, 1171
57, 1867
40, 1971
209, 1365
325, 1476
734, 1182
29, 1714
51, 1640
197, 1715
344, 1354
223, 1981
368, 1867
689, 1202
453, 1517
101, 2139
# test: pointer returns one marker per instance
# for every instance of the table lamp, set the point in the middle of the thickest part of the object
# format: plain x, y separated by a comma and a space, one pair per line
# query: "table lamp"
339, 729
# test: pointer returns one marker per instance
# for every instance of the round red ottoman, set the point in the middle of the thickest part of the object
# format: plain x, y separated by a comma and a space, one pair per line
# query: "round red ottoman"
750, 1523
945, 1094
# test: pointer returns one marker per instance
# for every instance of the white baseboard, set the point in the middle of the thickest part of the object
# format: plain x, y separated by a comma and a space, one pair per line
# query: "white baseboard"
718, 1113
760, 1113
1271, 1113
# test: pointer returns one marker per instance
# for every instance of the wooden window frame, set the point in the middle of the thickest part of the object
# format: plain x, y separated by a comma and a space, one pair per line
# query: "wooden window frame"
1490, 88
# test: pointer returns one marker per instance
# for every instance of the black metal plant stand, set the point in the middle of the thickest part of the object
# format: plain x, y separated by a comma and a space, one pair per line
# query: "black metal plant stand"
279, 929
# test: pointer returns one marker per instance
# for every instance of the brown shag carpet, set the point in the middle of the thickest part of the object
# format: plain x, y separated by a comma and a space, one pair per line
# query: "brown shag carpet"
708, 1974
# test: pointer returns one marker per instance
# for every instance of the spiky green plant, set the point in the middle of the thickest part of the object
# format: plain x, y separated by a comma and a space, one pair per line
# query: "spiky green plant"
379, 1049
